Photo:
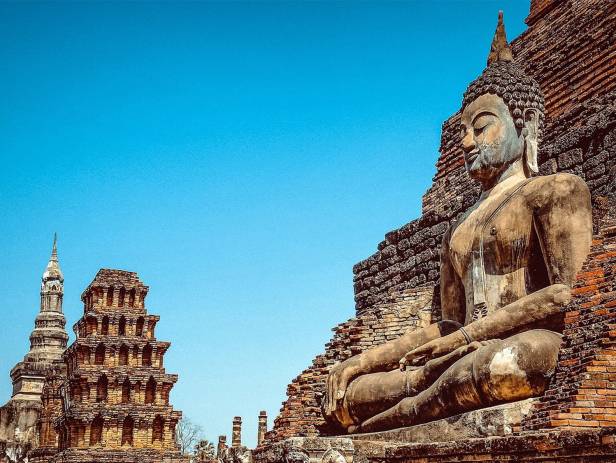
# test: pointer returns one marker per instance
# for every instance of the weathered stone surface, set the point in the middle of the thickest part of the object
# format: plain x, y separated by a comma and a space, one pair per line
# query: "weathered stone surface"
262, 428
236, 432
48, 438
75, 455
238, 454
582, 392
18, 434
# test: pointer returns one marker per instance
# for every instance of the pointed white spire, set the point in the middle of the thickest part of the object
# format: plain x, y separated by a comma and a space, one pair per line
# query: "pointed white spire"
48, 338
53, 272
54, 250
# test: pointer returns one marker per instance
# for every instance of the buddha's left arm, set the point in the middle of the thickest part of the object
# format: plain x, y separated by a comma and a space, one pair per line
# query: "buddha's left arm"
563, 222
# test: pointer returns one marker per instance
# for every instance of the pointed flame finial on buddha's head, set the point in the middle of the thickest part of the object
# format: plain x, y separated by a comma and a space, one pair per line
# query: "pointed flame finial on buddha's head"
500, 49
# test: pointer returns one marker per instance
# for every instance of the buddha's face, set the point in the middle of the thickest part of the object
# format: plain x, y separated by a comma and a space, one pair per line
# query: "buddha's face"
490, 140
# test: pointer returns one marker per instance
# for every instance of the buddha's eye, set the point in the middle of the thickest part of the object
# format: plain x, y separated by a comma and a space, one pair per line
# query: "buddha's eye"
481, 122
479, 130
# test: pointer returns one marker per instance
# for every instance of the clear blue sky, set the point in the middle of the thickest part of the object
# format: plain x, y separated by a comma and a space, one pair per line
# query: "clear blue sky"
239, 157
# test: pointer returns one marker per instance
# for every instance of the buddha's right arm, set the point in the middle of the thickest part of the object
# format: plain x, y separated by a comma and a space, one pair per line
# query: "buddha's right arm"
387, 356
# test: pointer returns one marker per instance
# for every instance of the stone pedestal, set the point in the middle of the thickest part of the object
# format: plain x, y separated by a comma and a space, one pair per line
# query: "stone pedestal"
566, 446
582, 446
502, 420
488, 435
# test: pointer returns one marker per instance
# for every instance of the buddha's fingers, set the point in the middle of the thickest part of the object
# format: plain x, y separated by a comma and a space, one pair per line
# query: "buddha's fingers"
333, 389
337, 382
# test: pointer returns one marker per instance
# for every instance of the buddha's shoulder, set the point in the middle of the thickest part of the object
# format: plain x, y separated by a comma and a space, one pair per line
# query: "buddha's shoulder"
556, 187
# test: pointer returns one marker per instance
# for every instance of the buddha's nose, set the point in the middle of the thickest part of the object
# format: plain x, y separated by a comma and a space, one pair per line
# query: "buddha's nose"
468, 141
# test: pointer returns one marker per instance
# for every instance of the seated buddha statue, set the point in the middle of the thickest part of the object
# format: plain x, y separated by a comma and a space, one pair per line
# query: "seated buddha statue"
506, 272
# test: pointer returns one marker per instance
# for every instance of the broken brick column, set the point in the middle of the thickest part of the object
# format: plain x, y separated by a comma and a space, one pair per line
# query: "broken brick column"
262, 427
236, 436
222, 446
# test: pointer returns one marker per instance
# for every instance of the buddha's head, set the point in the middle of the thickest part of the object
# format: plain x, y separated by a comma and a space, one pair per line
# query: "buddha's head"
502, 116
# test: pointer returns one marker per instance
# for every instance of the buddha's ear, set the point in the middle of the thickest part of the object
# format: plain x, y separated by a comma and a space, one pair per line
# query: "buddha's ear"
531, 136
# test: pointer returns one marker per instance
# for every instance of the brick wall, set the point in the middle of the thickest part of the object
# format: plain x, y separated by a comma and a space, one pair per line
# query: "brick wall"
539, 8
570, 48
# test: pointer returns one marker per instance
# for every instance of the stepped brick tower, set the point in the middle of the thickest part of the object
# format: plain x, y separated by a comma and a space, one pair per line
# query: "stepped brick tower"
116, 399
48, 339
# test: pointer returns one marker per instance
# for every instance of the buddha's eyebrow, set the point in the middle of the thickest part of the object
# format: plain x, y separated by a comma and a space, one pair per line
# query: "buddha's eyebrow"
483, 113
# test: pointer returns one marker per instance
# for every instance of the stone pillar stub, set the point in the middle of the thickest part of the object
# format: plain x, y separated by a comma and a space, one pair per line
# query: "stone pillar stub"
222, 445
236, 436
262, 429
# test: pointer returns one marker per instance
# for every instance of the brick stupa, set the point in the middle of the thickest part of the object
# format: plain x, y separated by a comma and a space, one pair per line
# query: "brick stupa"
116, 402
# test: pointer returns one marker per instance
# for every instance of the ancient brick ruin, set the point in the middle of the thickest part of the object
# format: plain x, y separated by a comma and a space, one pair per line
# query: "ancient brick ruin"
115, 400
52, 409
570, 48
574, 419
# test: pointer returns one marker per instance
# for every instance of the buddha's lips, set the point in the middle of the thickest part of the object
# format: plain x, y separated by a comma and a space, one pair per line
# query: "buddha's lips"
470, 157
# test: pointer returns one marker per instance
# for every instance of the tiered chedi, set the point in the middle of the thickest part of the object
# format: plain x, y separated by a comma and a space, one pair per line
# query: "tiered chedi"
19, 416
48, 339
116, 398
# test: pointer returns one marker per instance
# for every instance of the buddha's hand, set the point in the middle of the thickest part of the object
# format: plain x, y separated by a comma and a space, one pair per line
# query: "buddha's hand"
433, 349
448, 359
473, 346
340, 375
